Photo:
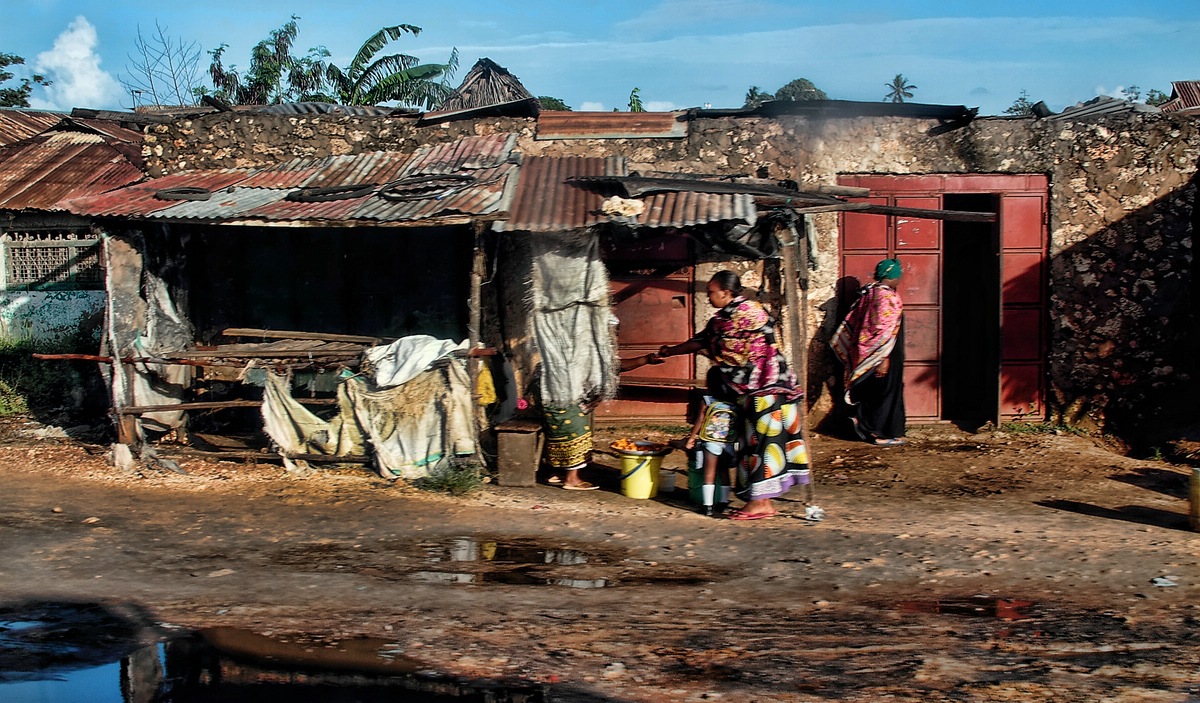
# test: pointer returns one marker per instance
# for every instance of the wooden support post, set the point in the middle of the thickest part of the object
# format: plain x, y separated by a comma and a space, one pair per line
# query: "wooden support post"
475, 327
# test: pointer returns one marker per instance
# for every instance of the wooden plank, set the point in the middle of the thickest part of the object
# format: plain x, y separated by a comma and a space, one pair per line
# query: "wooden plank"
215, 405
269, 354
291, 334
953, 215
261, 456
661, 382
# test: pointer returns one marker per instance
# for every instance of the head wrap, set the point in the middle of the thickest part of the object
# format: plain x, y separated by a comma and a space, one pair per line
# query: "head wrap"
888, 268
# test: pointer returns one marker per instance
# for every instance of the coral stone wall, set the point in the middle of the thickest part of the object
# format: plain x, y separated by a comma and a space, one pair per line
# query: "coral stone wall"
1123, 193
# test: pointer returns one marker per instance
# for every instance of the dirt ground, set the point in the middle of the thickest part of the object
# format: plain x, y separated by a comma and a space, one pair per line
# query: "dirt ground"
985, 567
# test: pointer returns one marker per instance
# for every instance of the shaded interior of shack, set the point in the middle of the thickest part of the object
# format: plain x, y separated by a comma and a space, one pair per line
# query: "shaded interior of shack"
378, 282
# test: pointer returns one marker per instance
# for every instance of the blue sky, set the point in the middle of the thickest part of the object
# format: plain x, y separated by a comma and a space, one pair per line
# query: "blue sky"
680, 53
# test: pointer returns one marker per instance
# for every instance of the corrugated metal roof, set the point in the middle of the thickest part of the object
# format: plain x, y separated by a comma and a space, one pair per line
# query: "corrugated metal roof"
138, 200
38, 173
555, 124
1102, 106
1184, 96
259, 194
545, 202
470, 153
108, 128
16, 125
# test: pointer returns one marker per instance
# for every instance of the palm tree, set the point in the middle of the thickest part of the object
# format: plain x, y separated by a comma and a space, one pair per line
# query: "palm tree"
756, 96
899, 89
370, 81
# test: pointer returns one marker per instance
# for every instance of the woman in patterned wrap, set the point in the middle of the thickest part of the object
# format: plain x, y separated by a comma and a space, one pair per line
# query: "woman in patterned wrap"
870, 345
740, 341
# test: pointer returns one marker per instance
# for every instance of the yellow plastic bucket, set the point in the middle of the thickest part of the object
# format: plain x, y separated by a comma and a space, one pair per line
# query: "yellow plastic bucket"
640, 470
639, 475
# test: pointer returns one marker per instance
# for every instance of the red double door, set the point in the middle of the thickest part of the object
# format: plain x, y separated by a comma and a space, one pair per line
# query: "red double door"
975, 294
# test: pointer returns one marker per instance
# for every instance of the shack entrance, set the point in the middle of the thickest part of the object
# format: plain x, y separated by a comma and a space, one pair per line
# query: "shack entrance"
974, 294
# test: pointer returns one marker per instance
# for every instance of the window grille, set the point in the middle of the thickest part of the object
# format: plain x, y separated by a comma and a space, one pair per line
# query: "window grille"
55, 260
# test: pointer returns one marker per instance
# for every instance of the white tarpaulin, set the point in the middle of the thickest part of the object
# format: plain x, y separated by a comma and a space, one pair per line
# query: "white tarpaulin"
408, 429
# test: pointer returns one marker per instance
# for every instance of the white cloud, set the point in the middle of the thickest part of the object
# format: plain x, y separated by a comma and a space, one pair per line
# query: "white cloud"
591, 107
660, 106
74, 68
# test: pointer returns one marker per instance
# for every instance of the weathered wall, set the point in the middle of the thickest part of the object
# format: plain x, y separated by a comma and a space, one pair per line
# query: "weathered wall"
1123, 192
49, 316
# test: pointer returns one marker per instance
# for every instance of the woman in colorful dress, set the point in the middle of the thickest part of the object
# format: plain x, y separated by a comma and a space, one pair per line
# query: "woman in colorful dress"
870, 345
740, 341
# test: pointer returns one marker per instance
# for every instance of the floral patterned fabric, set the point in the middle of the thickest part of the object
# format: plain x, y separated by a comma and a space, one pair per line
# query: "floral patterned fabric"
740, 340
868, 334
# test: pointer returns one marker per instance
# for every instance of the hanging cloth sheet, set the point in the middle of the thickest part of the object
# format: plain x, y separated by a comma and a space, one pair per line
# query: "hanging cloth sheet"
571, 320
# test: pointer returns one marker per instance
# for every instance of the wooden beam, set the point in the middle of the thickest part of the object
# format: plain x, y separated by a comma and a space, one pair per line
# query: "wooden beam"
290, 334
953, 215
214, 405
261, 456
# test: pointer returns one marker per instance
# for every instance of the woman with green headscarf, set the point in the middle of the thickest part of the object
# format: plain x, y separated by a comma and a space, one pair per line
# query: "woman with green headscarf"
870, 345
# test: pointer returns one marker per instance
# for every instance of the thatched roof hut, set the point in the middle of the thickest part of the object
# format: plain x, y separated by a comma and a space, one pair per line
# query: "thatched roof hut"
488, 87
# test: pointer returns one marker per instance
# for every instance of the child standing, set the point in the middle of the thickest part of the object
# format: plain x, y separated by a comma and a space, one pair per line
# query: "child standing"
714, 440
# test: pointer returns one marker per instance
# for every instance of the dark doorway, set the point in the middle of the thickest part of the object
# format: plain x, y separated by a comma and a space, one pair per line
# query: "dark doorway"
368, 281
971, 314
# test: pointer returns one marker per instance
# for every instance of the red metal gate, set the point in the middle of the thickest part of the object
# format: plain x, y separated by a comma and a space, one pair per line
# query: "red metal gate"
1018, 366
651, 289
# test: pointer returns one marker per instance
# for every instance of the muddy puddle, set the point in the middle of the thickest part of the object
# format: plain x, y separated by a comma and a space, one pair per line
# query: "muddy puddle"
483, 561
68, 652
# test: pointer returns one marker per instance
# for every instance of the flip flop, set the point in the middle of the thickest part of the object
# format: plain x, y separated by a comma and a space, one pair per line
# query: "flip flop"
585, 486
889, 442
739, 515
555, 480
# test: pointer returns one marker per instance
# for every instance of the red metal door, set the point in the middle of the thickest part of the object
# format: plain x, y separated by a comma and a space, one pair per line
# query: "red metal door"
651, 288
865, 239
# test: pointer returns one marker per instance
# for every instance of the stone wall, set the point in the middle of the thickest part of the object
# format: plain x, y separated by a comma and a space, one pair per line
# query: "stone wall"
1123, 192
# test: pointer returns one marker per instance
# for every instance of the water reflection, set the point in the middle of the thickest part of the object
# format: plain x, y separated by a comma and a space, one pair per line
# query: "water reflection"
69, 659
471, 549
526, 557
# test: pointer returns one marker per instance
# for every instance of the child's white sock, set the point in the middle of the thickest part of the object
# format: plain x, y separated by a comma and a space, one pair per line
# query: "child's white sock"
724, 494
706, 493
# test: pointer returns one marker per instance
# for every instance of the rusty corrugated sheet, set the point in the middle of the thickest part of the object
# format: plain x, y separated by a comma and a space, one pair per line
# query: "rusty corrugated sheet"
685, 208
465, 153
1185, 95
544, 202
611, 125
485, 197
331, 171
224, 204
16, 125
139, 201
259, 194
40, 172
108, 128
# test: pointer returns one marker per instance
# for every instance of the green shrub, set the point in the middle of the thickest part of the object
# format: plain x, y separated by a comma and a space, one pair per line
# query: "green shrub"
457, 478
47, 387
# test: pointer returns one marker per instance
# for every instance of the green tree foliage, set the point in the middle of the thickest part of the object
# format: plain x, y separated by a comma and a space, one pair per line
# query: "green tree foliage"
276, 76
899, 89
756, 96
800, 89
635, 101
19, 96
371, 79
266, 81
1021, 107
1156, 97
549, 103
